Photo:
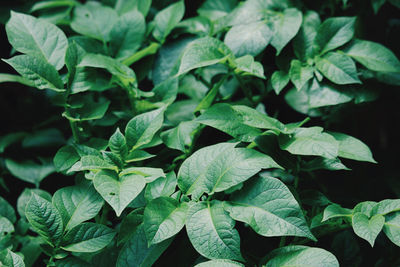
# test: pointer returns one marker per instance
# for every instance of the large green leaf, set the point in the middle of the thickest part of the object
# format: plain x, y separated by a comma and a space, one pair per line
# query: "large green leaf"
334, 32
310, 141
45, 219
37, 38
94, 20
268, 206
166, 20
303, 42
163, 218
180, 137
373, 55
137, 252
352, 148
338, 68
141, 129
367, 228
285, 28
125, 6
118, 191
127, 34
10, 259
386, 206
87, 237
219, 167
203, 52
38, 71
392, 227
24, 198
211, 232
300, 74
299, 256
77, 204
92, 163
248, 39
30, 171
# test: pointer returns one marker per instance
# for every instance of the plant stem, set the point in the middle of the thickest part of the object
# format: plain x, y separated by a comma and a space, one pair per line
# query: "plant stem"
149, 50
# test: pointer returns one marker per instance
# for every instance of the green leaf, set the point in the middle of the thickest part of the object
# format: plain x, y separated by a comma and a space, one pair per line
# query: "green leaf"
87, 237
211, 232
268, 206
163, 186
163, 218
125, 6
219, 167
7, 211
335, 211
386, 206
299, 74
215, 9
138, 155
136, 250
5, 78
92, 163
219, 263
30, 171
365, 207
65, 158
77, 204
338, 68
55, 3
118, 191
368, 228
303, 43
87, 109
310, 141
25, 196
44, 219
324, 164
6, 227
149, 174
299, 256
127, 34
373, 56
94, 20
352, 148
203, 52
248, 39
285, 28
165, 92
141, 129
37, 38
130, 223
72, 261
10, 259
36, 70
279, 80
246, 66
117, 143
166, 20
334, 32
392, 227
180, 137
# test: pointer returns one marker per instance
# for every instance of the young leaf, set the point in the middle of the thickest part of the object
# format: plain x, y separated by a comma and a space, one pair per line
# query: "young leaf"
219, 167
279, 80
310, 141
248, 39
352, 148
299, 74
285, 28
374, 56
94, 20
203, 52
334, 32
141, 129
166, 20
117, 143
368, 228
247, 66
219, 263
334, 211
211, 232
163, 218
77, 204
36, 70
45, 219
37, 38
127, 34
161, 187
136, 250
118, 191
87, 237
257, 205
392, 227
30, 171
298, 256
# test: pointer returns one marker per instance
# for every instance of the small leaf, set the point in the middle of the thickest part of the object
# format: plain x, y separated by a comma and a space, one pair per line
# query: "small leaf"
211, 232
163, 218
77, 204
5, 78
247, 66
44, 219
118, 191
257, 205
166, 20
334, 211
279, 80
299, 256
117, 143
334, 32
36, 70
180, 137
373, 55
65, 158
37, 38
203, 52
161, 187
299, 74
366, 228
87, 237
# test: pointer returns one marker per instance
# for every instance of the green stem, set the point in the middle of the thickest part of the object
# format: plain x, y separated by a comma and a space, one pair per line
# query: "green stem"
75, 131
149, 50
208, 100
